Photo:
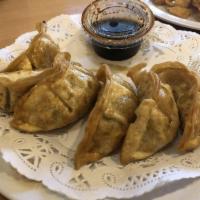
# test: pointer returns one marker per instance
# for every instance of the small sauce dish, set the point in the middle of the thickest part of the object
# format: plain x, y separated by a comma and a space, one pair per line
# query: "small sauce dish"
117, 27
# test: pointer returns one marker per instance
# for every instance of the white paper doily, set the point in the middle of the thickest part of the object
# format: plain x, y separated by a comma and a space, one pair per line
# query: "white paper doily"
49, 157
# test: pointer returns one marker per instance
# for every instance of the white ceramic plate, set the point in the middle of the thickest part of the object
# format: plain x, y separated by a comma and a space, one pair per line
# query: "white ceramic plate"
160, 13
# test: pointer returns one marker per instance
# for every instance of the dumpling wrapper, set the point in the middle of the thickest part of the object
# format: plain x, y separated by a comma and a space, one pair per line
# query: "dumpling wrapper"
42, 49
22, 62
40, 54
180, 11
186, 88
179, 3
109, 119
196, 3
157, 119
159, 2
58, 100
14, 85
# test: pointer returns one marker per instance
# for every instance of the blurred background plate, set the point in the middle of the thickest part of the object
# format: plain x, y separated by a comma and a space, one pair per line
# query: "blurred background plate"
162, 14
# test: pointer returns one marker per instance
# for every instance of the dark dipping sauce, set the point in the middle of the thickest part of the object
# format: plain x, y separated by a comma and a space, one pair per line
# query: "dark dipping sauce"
116, 29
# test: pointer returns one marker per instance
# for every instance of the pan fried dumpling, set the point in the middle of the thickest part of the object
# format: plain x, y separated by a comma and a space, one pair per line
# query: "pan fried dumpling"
109, 119
14, 85
40, 54
22, 62
58, 100
186, 89
180, 3
43, 49
157, 118
146, 135
196, 3
180, 11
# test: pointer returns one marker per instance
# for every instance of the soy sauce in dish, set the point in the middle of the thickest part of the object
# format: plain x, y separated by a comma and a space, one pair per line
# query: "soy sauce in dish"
116, 29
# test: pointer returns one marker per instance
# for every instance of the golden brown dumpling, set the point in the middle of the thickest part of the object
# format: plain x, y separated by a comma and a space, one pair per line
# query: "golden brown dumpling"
179, 3
186, 89
58, 100
109, 119
196, 3
157, 118
42, 49
159, 2
22, 62
40, 54
180, 11
14, 85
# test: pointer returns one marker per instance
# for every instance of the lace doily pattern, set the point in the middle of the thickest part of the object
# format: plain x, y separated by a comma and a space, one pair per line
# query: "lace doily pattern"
49, 157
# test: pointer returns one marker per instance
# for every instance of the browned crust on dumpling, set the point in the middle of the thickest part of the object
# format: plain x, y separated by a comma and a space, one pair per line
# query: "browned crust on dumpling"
179, 3
40, 53
135, 71
157, 118
22, 62
180, 11
14, 85
159, 2
42, 49
186, 89
59, 99
107, 122
196, 3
